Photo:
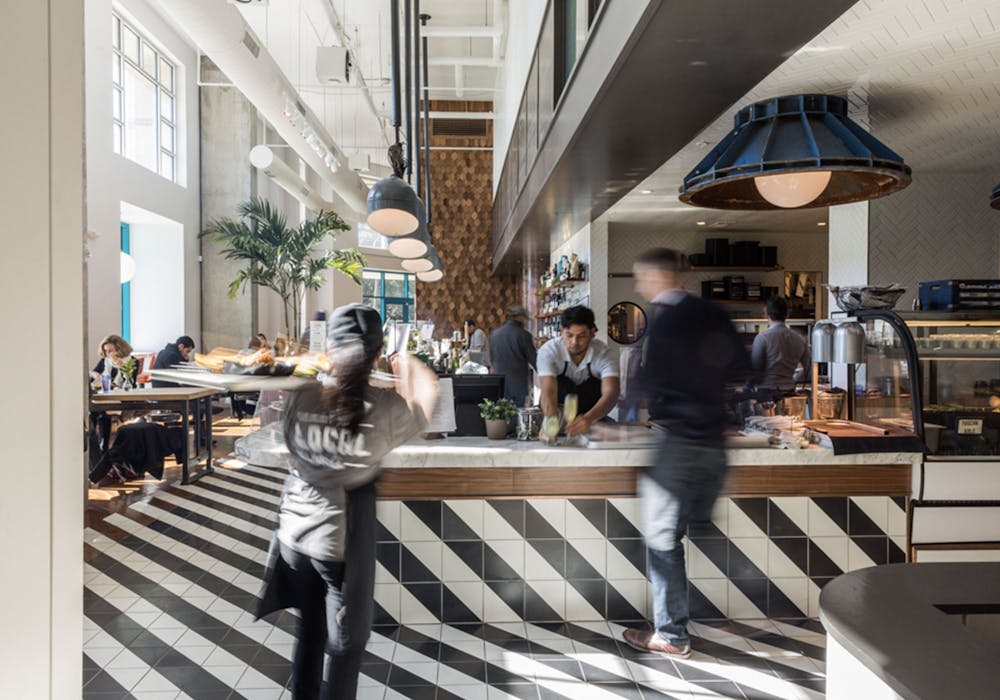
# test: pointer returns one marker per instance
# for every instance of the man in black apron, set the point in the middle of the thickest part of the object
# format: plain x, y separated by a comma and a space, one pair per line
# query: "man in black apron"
576, 363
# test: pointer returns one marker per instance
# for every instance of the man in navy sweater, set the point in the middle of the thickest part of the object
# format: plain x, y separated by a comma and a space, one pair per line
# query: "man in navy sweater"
692, 353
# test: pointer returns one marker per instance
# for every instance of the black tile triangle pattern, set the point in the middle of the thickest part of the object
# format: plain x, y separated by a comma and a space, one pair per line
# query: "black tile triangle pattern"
148, 598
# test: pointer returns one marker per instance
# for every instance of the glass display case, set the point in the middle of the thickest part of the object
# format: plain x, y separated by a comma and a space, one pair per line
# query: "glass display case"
959, 360
885, 393
946, 367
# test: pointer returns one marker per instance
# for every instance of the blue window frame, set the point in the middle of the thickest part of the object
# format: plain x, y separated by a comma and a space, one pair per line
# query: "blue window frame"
126, 247
392, 294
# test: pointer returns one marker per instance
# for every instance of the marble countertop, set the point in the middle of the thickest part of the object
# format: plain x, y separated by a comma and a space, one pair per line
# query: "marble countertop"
265, 447
481, 452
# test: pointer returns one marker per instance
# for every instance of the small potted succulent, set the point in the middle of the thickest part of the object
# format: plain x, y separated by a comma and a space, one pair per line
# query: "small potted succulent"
497, 415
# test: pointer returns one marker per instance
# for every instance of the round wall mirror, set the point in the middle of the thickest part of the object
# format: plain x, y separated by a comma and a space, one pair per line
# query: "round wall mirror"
626, 323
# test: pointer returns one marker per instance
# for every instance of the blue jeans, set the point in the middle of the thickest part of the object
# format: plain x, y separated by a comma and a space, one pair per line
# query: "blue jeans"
678, 489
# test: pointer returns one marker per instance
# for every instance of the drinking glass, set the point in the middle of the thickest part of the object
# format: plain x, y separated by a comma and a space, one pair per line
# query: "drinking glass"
570, 404
550, 426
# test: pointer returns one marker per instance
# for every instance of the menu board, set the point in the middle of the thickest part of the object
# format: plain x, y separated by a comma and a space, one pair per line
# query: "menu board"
442, 419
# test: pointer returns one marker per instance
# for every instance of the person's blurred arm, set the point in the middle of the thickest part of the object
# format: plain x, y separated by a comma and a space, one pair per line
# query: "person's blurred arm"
550, 395
416, 384
609, 397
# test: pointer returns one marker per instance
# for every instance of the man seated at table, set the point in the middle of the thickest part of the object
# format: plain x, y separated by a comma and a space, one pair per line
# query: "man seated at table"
172, 354
576, 363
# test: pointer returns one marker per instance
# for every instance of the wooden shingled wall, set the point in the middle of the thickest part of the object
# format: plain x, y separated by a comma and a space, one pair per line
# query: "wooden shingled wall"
462, 225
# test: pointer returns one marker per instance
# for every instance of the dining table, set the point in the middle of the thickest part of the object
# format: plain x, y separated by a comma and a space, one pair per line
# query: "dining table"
193, 404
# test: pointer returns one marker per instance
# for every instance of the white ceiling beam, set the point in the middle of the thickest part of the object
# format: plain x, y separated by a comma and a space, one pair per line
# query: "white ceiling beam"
475, 32
486, 61
461, 115
220, 31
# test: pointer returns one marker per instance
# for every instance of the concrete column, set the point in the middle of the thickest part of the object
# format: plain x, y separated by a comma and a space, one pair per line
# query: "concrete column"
41, 281
228, 122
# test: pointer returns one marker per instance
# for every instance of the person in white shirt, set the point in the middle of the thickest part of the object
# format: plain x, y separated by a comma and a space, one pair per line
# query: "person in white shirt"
576, 363
475, 341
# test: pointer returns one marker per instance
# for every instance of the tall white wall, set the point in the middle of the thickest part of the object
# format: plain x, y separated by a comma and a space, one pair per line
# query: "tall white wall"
157, 290
524, 22
113, 179
41, 282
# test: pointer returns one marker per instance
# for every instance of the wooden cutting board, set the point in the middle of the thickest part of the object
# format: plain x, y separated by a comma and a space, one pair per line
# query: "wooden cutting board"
845, 428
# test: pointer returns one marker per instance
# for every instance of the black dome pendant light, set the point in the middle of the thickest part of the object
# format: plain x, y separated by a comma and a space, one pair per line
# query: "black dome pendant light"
797, 151
392, 203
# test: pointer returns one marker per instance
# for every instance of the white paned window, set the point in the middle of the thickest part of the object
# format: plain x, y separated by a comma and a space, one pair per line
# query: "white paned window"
144, 105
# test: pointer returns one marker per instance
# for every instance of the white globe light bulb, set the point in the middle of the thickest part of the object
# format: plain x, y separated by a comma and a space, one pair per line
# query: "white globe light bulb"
789, 190
126, 267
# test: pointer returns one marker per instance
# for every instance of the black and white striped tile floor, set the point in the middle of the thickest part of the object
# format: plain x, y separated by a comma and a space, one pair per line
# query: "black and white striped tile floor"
170, 584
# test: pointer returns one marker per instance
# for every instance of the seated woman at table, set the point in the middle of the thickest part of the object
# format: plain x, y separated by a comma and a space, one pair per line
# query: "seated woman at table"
114, 352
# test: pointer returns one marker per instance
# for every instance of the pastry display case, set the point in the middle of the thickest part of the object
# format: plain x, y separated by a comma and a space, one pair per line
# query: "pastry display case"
951, 394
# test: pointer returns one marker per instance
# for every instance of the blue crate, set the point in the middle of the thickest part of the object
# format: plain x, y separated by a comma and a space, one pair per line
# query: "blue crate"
960, 295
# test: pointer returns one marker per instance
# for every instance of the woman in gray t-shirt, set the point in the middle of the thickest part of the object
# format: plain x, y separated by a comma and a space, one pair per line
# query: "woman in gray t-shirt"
337, 433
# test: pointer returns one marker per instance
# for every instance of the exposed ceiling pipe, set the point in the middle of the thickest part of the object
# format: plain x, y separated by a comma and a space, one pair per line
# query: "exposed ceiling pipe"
219, 30
408, 22
499, 22
427, 134
415, 135
263, 158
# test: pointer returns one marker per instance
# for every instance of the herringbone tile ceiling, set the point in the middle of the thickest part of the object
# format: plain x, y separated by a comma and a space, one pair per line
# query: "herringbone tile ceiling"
932, 69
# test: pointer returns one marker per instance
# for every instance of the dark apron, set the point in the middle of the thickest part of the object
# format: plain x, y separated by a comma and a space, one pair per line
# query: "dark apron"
588, 392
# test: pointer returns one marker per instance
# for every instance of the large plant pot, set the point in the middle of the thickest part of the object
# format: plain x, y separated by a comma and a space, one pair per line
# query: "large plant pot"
496, 429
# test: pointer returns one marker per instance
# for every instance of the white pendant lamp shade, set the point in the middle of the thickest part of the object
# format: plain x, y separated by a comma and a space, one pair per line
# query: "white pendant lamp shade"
417, 265
795, 189
393, 207
414, 245
432, 276
434, 269
126, 264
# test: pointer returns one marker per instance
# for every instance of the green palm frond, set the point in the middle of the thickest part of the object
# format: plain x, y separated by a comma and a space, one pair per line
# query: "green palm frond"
282, 258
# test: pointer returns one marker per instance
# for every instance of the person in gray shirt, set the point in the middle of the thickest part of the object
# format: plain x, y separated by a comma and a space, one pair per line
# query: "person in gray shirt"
780, 356
513, 354
337, 433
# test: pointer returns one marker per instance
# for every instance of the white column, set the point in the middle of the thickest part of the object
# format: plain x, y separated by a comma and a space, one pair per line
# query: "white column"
849, 232
41, 281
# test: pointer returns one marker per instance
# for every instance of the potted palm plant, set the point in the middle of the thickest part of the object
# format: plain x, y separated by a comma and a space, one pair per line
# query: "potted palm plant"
282, 258
497, 415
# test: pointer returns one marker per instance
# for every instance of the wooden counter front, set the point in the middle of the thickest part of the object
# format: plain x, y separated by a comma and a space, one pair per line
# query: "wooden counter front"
439, 483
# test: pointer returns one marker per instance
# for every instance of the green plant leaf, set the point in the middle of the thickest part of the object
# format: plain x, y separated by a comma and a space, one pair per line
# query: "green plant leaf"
282, 258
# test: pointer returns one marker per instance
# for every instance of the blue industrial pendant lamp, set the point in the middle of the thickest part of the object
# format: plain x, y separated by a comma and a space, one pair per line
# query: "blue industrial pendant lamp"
995, 197
797, 151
